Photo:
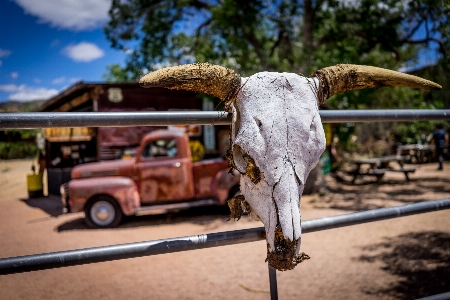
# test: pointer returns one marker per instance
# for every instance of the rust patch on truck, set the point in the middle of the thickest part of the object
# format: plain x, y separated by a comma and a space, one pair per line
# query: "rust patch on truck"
122, 189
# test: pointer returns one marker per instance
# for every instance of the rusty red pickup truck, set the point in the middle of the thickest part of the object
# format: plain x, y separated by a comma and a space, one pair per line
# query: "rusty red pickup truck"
162, 176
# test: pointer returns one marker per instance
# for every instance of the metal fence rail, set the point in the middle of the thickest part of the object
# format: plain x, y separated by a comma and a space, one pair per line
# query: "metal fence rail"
127, 119
107, 253
123, 119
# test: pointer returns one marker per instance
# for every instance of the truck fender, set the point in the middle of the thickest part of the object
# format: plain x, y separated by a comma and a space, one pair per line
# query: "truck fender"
122, 189
222, 184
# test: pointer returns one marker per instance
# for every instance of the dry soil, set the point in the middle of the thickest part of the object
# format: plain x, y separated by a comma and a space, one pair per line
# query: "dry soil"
404, 258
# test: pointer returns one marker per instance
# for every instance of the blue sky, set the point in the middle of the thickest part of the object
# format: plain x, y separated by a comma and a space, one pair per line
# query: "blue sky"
46, 46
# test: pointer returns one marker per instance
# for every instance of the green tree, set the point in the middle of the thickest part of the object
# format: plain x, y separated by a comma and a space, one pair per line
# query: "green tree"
295, 36
257, 35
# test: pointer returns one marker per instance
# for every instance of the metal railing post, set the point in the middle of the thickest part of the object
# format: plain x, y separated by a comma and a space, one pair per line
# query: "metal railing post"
273, 283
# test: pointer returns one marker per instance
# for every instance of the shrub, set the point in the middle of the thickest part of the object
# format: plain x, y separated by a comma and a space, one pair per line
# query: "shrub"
17, 150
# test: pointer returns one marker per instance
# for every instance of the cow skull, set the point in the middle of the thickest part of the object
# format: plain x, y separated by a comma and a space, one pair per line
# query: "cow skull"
276, 136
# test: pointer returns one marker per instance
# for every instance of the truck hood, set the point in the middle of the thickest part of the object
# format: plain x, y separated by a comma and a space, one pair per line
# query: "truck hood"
104, 168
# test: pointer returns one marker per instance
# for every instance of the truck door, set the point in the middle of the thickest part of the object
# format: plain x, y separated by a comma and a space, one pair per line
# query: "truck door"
164, 174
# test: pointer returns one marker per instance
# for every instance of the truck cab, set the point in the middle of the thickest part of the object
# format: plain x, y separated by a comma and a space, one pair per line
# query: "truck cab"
163, 168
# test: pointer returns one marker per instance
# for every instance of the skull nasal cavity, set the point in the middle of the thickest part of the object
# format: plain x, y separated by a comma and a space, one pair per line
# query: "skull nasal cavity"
258, 123
239, 157
312, 127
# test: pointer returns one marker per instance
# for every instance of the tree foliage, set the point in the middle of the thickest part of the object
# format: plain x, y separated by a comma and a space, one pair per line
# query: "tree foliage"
295, 36
260, 35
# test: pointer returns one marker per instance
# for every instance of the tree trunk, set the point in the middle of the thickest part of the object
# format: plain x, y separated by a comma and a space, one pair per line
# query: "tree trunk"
307, 38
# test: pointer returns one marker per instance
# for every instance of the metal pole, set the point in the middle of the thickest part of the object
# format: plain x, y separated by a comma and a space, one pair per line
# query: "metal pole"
273, 283
118, 119
107, 253
374, 215
383, 115
443, 296
128, 119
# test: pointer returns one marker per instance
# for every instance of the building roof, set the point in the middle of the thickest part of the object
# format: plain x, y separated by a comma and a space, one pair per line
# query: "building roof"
60, 101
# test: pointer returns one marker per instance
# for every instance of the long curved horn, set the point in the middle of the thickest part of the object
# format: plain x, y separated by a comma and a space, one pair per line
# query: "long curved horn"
346, 77
214, 80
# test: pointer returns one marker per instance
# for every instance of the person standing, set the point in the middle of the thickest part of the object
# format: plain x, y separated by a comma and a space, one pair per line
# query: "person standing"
440, 139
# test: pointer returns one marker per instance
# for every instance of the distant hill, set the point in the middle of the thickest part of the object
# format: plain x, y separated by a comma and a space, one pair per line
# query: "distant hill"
17, 106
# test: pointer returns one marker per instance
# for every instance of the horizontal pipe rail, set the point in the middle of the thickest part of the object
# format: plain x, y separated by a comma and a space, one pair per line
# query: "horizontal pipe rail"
384, 115
118, 119
128, 119
443, 296
107, 253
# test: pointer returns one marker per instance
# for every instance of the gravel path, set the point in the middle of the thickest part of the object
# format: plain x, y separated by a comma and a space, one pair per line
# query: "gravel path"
405, 258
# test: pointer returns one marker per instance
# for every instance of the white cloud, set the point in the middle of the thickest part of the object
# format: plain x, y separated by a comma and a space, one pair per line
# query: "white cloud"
8, 88
68, 14
59, 80
14, 75
84, 52
37, 80
4, 52
25, 93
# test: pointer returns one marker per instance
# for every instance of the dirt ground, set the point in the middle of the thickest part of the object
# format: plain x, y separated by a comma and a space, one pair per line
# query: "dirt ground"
404, 258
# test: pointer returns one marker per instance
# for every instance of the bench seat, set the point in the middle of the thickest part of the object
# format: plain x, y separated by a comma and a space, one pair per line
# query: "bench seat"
378, 173
405, 171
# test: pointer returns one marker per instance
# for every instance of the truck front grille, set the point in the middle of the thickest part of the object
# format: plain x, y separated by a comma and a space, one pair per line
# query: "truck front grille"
100, 173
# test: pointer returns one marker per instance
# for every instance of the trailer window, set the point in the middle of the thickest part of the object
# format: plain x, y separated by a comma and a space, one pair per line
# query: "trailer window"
160, 148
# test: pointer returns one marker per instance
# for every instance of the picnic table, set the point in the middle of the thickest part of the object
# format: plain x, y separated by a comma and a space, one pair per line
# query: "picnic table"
418, 152
378, 166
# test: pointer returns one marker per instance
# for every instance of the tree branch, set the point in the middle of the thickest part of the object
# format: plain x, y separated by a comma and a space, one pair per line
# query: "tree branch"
253, 40
198, 31
411, 33
199, 4
281, 34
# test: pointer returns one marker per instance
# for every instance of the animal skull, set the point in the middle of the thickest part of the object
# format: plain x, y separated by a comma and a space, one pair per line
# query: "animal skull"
276, 136
276, 125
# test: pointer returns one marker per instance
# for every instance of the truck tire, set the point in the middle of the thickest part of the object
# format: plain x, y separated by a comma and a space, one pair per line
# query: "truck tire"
102, 212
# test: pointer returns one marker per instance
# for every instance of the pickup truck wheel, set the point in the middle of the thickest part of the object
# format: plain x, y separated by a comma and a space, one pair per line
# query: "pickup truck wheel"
103, 212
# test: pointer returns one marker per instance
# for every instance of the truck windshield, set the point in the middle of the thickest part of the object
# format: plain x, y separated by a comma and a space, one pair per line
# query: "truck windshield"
159, 148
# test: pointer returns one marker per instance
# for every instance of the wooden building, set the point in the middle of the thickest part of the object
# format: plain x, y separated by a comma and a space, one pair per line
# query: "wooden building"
67, 147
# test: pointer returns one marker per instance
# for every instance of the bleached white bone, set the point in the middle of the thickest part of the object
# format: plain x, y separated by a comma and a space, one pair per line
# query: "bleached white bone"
277, 123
